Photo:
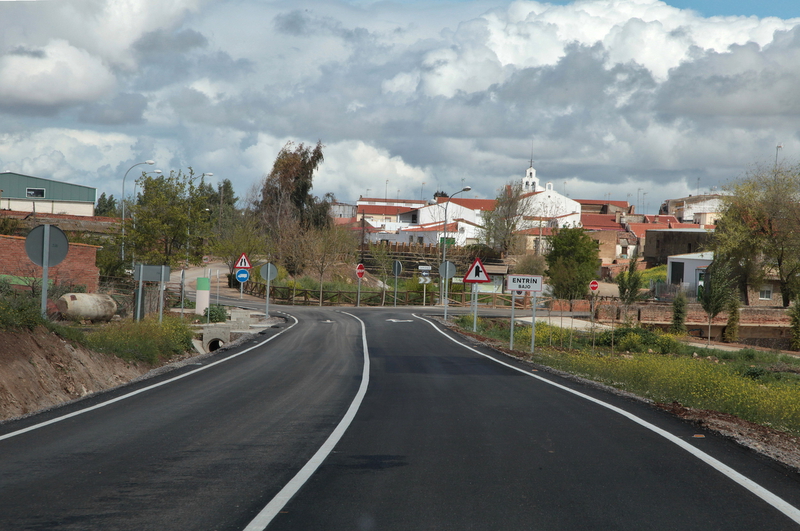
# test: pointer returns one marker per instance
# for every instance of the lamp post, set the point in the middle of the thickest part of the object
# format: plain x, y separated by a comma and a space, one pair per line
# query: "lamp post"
150, 162
444, 243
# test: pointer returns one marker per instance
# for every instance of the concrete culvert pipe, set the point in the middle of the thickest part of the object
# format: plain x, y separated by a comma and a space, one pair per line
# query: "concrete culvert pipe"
215, 344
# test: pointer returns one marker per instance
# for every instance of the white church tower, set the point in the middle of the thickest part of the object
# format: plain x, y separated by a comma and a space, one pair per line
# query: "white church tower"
530, 183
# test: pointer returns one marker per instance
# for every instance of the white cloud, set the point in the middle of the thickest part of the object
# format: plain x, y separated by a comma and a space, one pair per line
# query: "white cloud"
54, 75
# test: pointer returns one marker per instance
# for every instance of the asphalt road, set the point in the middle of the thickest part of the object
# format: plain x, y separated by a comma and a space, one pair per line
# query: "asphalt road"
445, 438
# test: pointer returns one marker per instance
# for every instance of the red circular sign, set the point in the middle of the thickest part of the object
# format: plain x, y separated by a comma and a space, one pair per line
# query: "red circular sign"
594, 285
360, 270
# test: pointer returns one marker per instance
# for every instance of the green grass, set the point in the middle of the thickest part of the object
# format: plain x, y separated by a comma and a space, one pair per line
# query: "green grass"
146, 340
761, 387
658, 273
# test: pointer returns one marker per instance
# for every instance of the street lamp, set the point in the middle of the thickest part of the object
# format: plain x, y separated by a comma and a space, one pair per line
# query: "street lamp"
150, 162
444, 244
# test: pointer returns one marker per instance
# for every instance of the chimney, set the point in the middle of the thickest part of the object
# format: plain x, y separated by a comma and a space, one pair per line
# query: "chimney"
617, 216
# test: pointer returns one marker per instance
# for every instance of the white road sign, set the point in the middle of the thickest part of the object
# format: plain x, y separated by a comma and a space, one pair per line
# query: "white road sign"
525, 283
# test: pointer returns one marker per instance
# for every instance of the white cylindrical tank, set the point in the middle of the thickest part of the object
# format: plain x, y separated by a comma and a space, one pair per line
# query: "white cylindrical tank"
87, 306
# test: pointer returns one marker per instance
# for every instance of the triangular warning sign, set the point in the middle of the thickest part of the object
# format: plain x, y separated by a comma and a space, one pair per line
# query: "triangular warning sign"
243, 262
477, 273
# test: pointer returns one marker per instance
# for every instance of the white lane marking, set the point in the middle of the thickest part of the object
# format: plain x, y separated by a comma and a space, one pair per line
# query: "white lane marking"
399, 320
263, 519
142, 390
772, 499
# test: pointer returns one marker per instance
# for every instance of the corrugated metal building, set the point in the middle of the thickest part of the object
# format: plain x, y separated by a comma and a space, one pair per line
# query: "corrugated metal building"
25, 193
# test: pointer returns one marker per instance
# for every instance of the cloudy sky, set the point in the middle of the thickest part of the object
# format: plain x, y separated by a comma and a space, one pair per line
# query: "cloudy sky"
637, 100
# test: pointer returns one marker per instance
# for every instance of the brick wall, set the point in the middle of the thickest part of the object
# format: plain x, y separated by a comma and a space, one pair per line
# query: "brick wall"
79, 267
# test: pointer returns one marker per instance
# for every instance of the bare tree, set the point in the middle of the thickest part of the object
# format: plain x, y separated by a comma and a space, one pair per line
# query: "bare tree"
329, 246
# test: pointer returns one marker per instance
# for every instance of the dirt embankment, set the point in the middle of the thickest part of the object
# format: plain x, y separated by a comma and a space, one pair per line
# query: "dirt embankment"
39, 369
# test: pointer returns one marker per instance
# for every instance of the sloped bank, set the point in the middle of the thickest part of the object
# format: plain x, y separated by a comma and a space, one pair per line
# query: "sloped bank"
39, 370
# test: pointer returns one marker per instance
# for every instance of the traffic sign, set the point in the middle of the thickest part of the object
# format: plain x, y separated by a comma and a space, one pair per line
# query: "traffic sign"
424, 268
397, 267
594, 285
524, 283
477, 273
242, 275
57, 245
243, 262
360, 270
424, 280
268, 272
447, 269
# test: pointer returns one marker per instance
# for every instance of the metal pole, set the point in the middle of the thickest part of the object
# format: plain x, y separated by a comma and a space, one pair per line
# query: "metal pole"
513, 303
474, 307
161, 297
183, 291
45, 267
358, 297
395, 287
139, 298
266, 295
533, 322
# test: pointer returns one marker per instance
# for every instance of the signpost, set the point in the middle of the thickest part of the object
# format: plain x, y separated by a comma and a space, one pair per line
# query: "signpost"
242, 275
522, 283
397, 268
425, 279
594, 286
360, 275
447, 270
268, 272
476, 274
47, 246
151, 273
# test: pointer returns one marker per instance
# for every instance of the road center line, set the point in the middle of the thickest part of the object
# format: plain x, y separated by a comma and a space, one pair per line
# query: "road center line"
263, 519
142, 390
779, 503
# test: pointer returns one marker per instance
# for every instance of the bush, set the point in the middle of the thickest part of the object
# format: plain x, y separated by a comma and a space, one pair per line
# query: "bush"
218, 314
146, 340
20, 311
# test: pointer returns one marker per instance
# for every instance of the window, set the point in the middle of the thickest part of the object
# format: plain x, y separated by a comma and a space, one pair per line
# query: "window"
34, 192
766, 293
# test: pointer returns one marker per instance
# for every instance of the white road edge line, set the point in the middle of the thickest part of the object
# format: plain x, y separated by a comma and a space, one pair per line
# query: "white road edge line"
142, 390
779, 503
263, 519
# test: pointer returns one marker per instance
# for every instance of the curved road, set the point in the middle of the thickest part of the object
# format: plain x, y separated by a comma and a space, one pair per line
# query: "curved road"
445, 438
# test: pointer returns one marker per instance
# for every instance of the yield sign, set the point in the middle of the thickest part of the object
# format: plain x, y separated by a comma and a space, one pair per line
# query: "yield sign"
477, 273
243, 262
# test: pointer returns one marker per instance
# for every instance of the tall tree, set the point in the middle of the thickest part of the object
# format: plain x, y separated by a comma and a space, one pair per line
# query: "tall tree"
171, 221
758, 233
717, 289
572, 262
286, 207
329, 246
236, 235
501, 223
106, 206
630, 283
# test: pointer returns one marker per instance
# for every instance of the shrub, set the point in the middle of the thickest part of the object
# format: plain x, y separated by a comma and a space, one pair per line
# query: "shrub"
679, 312
20, 312
216, 314
146, 340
